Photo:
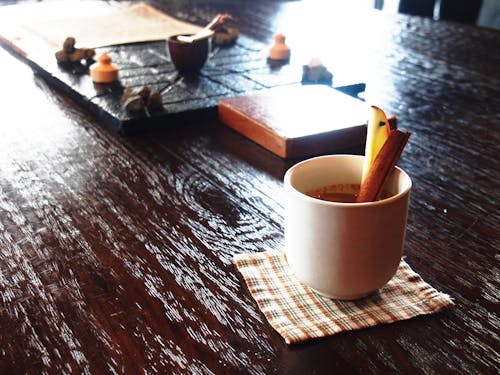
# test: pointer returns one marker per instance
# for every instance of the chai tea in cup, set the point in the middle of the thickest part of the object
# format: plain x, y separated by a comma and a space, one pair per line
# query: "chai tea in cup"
342, 250
344, 193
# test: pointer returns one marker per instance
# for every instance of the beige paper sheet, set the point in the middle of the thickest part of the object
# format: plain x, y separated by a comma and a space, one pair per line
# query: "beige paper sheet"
93, 23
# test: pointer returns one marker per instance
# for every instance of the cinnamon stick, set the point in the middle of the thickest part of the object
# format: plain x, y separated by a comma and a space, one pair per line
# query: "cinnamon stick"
383, 166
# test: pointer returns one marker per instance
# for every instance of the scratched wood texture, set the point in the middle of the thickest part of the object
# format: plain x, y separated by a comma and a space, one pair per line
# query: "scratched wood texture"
116, 252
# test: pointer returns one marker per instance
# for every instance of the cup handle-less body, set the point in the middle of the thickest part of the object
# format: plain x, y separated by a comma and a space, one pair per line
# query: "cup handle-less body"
343, 250
188, 58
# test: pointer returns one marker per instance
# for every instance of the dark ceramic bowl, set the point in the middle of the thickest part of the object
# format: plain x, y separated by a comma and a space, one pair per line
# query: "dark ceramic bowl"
188, 57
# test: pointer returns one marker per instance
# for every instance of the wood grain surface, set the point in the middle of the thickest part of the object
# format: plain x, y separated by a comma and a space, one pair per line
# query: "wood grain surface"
116, 252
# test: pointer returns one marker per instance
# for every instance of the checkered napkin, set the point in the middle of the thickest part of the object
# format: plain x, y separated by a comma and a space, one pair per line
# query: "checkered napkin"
299, 314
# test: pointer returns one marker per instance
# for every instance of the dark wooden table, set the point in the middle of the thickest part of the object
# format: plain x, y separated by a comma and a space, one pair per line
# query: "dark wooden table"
116, 252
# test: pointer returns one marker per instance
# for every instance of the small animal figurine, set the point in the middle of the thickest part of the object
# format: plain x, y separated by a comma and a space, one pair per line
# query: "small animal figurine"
69, 53
140, 98
225, 36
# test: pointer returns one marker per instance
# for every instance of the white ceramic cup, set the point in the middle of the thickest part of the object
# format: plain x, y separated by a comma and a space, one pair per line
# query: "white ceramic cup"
343, 250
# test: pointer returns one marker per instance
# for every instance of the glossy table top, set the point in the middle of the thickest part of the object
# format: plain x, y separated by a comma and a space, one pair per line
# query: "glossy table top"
116, 252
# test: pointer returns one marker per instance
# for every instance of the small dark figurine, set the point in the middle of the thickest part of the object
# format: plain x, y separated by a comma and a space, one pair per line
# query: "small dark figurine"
316, 72
225, 36
137, 99
71, 54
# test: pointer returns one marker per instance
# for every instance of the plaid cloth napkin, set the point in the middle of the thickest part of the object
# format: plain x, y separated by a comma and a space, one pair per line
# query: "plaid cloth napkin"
299, 314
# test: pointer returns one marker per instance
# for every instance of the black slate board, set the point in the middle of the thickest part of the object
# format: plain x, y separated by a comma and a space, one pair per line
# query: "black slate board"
234, 70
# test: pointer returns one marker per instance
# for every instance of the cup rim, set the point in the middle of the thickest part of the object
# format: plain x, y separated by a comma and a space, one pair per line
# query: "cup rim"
289, 186
173, 39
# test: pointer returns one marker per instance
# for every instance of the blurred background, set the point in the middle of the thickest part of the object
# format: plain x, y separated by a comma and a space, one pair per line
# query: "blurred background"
485, 13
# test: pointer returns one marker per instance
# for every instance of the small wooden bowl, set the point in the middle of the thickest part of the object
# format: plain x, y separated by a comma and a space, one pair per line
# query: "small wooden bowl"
188, 58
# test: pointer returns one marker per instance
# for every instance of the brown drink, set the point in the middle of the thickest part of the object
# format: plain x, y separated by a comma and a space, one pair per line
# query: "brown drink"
343, 193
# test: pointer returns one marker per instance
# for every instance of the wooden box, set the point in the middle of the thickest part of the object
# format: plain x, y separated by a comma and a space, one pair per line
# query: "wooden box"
298, 120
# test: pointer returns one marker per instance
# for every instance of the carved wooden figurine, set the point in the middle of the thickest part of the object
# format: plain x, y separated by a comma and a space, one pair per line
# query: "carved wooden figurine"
104, 71
279, 50
69, 53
